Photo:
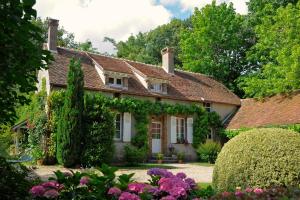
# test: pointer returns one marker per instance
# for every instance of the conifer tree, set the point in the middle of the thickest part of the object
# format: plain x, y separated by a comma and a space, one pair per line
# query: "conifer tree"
70, 128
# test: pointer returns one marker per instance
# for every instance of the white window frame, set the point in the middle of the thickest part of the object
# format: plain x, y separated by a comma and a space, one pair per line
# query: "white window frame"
180, 130
207, 106
121, 127
156, 87
115, 84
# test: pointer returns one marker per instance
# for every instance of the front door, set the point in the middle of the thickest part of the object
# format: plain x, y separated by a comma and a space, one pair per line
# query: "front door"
156, 131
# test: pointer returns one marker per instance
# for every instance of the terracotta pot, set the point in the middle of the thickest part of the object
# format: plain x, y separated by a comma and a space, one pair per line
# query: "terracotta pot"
39, 162
180, 161
159, 161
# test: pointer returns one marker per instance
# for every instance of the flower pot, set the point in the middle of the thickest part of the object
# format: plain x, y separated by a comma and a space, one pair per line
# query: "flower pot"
39, 162
159, 161
180, 161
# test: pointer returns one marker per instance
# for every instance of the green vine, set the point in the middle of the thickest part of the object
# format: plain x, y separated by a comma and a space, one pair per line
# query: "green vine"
141, 110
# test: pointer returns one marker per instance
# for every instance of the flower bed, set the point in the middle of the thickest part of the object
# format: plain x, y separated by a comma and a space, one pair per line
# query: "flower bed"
162, 184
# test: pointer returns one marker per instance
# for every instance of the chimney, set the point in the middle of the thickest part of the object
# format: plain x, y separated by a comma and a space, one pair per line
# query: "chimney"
168, 59
52, 34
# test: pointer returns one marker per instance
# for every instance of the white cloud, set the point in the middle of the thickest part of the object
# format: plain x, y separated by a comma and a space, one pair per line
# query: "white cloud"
95, 19
168, 2
239, 5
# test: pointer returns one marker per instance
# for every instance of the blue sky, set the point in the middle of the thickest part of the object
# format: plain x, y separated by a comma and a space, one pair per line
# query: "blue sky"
118, 19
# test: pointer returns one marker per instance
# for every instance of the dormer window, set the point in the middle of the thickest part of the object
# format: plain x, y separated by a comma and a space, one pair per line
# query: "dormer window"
156, 87
115, 82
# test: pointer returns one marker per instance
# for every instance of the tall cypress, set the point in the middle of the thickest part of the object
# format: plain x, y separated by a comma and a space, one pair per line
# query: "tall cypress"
70, 128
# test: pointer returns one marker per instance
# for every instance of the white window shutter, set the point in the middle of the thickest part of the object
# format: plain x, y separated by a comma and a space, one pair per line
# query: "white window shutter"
127, 127
189, 135
173, 130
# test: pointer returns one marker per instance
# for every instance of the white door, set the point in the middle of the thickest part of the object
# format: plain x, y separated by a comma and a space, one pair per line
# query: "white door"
156, 130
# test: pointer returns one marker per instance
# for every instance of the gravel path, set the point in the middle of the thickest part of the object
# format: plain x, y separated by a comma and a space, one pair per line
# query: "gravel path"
199, 173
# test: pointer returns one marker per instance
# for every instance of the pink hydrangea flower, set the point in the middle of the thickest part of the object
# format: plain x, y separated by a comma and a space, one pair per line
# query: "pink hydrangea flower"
51, 194
51, 185
129, 196
138, 187
84, 180
37, 191
226, 194
238, 193
258, 191
169, 197
248, 190
114, 191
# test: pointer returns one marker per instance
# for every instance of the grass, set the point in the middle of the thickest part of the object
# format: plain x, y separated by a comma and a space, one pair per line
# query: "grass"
147, 166
203, 164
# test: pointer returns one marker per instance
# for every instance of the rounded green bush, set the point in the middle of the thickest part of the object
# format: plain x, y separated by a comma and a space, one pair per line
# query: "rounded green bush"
259, 158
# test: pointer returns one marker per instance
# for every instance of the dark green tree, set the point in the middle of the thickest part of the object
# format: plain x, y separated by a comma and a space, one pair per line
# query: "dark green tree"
70, 127
21, 55
278, 53
216, 44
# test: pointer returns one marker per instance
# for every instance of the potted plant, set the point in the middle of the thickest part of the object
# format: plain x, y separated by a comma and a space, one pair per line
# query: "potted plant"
159, 158
180, 157
38, 155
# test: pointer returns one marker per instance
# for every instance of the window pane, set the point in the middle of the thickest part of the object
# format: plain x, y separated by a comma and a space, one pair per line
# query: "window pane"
119, 81
118, 126
111, 80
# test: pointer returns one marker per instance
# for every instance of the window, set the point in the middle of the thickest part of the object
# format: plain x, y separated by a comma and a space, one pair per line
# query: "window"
207, 106
118, 124
180, 130
111, 80
156, 87
156, 130
117, 82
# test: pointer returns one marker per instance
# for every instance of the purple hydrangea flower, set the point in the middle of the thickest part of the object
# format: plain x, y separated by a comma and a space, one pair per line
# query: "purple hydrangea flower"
51, 194
37, 191
191, 182
239, 193
114, 191
159, 172
181, 175
84, 180
129, 196
177, 192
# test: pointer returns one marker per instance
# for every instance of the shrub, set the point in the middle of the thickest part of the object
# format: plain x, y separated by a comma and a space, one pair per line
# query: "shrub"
13, 184
99, 134
259, 158
5, 140
209, 151
134, 155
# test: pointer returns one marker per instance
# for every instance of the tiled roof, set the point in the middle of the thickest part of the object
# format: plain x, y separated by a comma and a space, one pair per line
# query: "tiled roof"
276, 110
182, 85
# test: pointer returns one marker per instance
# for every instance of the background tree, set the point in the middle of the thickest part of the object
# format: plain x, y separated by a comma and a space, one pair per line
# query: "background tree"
21, 55
278, 52
146, 47
69, 136
216, 44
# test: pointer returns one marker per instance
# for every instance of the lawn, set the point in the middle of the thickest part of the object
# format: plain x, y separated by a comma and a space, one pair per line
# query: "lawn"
204, 185
203, 164
147, 166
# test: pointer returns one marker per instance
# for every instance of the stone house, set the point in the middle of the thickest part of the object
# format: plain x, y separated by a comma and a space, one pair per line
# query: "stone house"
119, 78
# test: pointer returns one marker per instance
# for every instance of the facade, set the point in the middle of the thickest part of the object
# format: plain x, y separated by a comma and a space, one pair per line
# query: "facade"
119, 78
279, 110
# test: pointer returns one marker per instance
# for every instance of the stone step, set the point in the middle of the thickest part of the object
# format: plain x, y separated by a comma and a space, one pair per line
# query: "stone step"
163, 161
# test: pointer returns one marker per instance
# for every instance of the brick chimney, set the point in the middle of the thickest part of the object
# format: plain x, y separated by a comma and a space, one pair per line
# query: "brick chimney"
52, 34
168, 59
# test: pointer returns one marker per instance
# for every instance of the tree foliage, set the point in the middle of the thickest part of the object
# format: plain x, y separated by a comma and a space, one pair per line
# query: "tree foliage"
278, 52
70, 129
216, 44
146, 47
21, 55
